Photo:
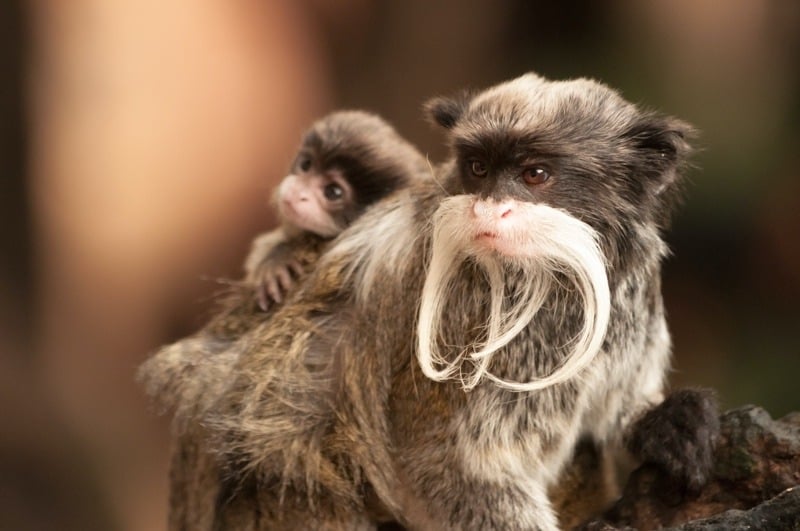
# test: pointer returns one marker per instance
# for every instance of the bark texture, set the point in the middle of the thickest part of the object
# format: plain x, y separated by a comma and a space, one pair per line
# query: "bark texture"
756, 470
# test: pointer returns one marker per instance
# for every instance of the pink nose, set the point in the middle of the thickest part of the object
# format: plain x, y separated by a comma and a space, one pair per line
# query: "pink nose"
492, 210
295, 193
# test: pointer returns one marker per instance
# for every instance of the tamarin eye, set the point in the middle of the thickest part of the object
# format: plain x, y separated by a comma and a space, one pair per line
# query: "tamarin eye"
333, 192
534, 176
478, 168
304, 163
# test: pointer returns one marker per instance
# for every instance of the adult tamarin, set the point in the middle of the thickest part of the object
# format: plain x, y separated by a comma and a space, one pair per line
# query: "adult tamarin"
451, 347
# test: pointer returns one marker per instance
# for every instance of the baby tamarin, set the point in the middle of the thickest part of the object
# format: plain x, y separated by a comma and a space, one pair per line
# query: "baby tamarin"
347, 161
453, 345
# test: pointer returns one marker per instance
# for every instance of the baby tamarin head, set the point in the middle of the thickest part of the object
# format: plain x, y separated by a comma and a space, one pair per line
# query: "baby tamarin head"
552, 183
348, 160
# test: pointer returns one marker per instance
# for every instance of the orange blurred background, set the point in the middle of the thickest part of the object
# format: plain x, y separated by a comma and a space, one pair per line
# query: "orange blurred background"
139, 141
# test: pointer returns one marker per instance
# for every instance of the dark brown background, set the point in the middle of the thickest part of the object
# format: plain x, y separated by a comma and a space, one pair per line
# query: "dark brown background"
139, 140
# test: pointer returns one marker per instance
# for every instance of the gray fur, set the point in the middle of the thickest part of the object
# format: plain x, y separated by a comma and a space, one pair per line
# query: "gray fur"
327, 400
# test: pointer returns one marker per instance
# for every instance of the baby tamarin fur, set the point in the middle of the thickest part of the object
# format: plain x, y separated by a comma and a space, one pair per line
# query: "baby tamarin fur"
347, 161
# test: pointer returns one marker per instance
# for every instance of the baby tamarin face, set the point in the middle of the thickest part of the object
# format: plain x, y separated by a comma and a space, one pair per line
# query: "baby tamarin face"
347, 161
315, 199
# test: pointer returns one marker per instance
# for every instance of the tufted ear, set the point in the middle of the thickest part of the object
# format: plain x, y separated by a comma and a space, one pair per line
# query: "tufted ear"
663, 145
446, 111
663, 134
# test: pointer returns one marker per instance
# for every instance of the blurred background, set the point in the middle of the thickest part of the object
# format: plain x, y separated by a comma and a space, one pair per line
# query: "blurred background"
139, 140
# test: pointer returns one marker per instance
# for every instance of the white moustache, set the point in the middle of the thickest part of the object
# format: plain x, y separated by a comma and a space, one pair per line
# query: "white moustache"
535, 240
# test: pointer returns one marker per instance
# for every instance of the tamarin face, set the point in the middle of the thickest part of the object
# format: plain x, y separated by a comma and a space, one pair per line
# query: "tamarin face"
347, 161
313, 198
552, 184
576, 146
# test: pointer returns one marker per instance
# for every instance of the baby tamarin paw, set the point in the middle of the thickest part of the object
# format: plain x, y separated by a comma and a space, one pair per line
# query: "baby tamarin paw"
679, 435
274, 279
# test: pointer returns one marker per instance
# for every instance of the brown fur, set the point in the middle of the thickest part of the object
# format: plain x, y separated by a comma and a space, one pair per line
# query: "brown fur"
189, 376
325, 402
186, 376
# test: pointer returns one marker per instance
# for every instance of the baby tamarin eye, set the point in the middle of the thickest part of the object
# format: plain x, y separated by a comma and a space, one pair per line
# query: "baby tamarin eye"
333, 192
478, 168
534, 176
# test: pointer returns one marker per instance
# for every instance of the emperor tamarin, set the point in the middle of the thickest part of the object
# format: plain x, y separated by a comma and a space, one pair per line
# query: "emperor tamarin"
455, 342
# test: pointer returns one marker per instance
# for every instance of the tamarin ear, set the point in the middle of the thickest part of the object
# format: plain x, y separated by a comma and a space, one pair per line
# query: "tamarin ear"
663, 149
446, 111
663, 144
662, 134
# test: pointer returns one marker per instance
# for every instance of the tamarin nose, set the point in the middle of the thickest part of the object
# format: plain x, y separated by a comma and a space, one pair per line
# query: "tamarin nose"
298, 194
492, 210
